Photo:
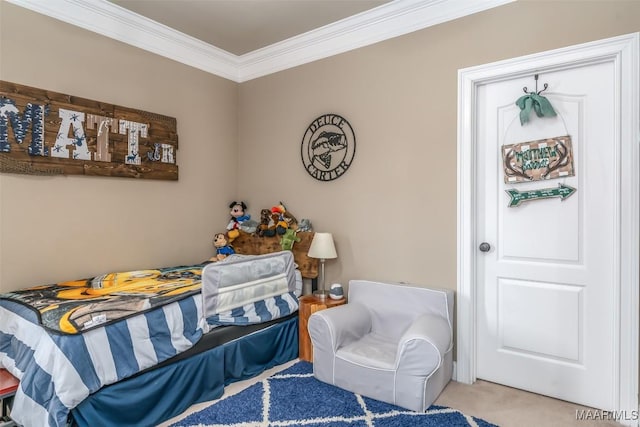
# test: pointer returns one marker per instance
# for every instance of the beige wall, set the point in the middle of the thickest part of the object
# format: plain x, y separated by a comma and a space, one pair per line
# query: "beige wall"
393, 213
62, 228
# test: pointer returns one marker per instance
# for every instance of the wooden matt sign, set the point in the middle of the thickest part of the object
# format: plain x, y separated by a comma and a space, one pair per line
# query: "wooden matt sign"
49, 133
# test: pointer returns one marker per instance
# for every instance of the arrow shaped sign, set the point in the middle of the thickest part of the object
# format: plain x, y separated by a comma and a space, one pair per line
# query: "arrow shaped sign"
517, 197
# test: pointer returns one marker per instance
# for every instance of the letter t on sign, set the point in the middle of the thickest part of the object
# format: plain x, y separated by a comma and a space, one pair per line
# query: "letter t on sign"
134, 128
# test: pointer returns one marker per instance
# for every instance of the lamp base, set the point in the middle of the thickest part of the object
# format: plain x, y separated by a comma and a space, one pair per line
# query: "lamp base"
321, 295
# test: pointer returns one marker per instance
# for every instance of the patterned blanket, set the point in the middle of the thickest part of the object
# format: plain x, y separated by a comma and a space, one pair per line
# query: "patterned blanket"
58, 371
77, 306
67, 340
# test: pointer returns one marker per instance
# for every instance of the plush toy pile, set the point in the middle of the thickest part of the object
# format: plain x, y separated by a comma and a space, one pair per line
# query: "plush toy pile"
276, 221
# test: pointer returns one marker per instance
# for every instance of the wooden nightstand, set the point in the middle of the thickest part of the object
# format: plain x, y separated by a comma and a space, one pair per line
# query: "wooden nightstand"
309, 304
8, 387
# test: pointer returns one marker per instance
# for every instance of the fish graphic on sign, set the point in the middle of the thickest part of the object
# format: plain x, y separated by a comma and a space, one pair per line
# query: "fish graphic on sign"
326, 144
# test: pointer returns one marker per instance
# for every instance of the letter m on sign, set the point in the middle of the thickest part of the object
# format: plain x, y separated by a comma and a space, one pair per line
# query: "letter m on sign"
31, 120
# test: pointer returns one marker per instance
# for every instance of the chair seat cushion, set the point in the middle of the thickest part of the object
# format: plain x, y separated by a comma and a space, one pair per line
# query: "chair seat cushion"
371, 350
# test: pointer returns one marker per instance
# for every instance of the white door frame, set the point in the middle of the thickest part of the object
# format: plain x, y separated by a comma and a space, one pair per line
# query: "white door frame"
624, 52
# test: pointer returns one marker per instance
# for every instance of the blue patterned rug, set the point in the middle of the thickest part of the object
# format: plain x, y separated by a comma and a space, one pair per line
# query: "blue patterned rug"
293, 397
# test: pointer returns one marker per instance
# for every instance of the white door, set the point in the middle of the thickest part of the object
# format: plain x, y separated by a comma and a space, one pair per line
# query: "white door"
554, 305
547, 286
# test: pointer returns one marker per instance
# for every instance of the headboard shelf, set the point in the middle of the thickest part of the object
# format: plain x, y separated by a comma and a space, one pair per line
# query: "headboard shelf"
251, 244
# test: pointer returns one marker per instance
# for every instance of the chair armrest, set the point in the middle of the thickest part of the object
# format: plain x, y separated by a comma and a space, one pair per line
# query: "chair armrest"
339, 326
424, 344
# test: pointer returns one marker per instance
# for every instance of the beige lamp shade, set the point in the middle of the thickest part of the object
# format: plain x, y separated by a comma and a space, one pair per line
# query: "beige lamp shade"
322, 246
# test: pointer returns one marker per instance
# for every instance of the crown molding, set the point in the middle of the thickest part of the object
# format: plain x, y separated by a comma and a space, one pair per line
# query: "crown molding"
389, 20
113, 21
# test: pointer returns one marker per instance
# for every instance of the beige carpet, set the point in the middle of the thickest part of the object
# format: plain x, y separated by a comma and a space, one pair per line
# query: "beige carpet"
504, 406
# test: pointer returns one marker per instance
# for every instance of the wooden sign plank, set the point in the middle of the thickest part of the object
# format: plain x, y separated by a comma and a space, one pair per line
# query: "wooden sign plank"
48, 133
538, 160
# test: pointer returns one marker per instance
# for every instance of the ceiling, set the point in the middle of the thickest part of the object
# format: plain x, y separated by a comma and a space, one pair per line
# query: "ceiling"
242, 26
242, 40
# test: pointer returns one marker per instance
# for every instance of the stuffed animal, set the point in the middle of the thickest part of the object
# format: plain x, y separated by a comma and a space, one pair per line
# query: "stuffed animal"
277, 213
223, 248
285, 220
249, 226
238, 216
267, 226
288, 216
288, 239
305, 225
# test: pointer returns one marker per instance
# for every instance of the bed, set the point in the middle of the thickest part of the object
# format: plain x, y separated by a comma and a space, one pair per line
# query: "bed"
145, 356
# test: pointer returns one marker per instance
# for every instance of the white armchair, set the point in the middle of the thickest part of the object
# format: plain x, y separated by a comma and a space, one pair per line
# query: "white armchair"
390, 342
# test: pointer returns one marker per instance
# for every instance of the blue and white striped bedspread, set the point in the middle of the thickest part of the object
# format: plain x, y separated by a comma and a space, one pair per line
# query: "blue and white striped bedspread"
57, 372
257, 312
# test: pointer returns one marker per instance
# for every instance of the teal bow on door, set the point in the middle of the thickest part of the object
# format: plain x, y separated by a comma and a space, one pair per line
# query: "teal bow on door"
538, 103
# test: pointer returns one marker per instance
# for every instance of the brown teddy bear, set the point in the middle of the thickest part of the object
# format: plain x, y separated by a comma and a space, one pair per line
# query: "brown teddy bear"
267, 226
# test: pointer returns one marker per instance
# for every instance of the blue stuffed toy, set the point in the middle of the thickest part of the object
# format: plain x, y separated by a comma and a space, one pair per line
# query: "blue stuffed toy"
223, 248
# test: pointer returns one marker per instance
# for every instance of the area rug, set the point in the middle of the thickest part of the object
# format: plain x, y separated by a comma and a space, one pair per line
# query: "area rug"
293, 397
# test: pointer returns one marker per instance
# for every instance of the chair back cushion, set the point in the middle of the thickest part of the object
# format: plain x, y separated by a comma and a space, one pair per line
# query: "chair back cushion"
394, 306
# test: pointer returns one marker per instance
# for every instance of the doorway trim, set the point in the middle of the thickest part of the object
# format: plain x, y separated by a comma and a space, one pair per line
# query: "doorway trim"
624, 52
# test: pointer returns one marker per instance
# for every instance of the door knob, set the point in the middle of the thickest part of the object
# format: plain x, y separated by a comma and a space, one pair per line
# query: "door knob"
485, 247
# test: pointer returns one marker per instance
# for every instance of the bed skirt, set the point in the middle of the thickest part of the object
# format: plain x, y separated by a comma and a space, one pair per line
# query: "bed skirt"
160, 394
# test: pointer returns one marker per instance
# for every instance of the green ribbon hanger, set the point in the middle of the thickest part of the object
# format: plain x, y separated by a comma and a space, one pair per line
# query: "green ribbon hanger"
540, 105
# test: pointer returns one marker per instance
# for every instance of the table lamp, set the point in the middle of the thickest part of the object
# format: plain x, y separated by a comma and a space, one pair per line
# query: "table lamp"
322, 247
